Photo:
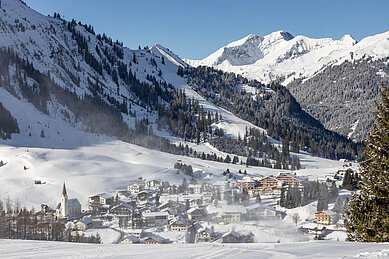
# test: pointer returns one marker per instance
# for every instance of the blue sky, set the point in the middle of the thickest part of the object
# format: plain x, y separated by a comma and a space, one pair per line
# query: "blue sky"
195, 29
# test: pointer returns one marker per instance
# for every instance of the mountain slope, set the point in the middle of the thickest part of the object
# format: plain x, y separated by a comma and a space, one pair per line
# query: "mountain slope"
327, 77
95, 84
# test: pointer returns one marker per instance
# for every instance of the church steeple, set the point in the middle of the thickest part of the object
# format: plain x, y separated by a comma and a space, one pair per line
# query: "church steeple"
64, 202
64, 190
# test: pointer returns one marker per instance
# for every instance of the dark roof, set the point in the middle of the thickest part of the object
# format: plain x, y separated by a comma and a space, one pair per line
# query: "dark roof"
64, 190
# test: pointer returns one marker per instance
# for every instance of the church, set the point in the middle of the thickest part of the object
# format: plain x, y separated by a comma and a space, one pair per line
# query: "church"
68, 207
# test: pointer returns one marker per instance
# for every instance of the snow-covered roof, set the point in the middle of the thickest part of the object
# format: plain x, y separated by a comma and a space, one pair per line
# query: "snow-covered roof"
218, 183
135, 231
233, 233
155, 214
105, 195
132, 238
139, 182
123, 204
197, 225
233, 209
193, 209
179, 221
86, 220
72, 203
194, 186
207, 230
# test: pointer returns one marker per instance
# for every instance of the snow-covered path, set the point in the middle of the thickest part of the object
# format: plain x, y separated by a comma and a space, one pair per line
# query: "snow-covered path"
314, 249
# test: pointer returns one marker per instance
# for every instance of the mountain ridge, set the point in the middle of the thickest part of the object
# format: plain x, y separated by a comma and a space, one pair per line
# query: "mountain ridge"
286, 58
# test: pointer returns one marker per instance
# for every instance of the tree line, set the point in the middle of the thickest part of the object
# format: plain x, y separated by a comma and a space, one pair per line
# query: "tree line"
273, 108
17, 222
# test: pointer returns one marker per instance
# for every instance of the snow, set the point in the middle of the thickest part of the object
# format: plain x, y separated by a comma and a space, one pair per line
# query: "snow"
92, 164
280, 55
107, 235
353, 129
316, 249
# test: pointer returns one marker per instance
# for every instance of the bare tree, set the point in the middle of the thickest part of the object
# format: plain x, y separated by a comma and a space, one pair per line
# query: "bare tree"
296, 218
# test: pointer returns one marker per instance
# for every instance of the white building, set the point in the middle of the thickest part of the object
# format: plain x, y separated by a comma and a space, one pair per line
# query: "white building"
194, 188
154, 219
233, 213
136, 186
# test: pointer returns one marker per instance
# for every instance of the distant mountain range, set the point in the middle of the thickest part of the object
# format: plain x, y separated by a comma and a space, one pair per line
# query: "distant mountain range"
336, 81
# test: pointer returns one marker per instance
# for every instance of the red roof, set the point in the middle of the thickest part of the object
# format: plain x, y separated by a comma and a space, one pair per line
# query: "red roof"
64, 190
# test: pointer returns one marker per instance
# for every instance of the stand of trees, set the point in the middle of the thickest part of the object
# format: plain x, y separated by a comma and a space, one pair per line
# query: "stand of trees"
367, 216
293, 197
18, 222
8, 124
273, 109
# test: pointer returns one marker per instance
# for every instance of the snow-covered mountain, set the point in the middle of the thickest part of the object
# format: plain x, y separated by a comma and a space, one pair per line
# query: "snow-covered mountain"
326, 76
280, 56
74, 94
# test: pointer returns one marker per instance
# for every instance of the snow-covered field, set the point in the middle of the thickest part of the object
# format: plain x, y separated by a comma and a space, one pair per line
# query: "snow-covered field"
313, 249
109, 166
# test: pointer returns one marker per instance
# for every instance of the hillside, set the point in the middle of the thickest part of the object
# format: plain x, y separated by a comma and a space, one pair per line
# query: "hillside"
315, 70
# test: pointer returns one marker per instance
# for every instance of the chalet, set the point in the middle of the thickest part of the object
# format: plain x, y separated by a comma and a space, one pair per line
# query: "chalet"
195, 214
245, 183
318, 232
206, 198
136, 219
194, 202
194, 188
221, 186
246, 236
155, 240
169, 204
287, 179
204, 235
154, 184
254, 191
231, 237
143, 196
102, 198
136, 186
130, 240
269, 182
139, 233
172, 213
123, 209
232, 213
322, 218
83, 224
100, 201
154, 219
206, 187
147, 206
179, 225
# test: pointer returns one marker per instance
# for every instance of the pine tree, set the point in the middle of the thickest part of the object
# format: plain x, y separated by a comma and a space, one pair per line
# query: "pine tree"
282, 199
367, 216
338, 206
322, 203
